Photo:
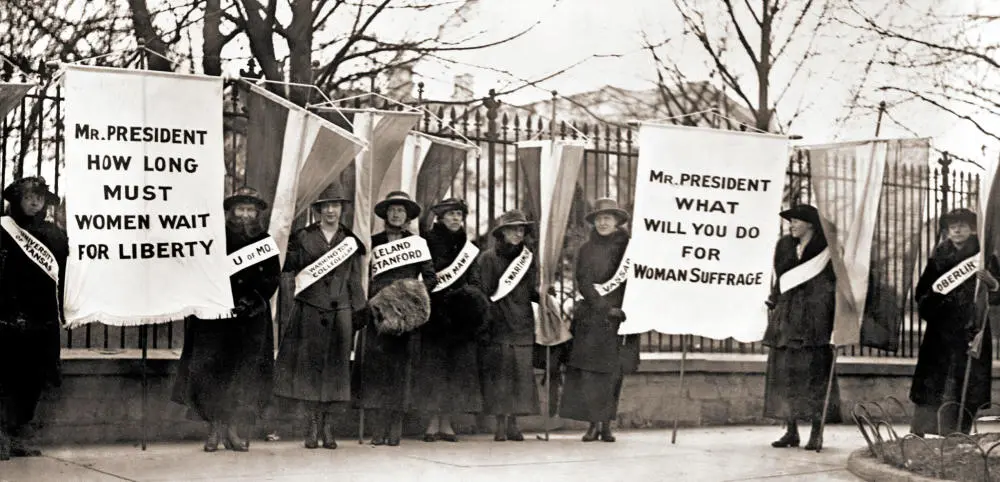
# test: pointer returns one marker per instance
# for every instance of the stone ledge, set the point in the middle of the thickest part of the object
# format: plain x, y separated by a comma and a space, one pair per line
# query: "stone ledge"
863, 465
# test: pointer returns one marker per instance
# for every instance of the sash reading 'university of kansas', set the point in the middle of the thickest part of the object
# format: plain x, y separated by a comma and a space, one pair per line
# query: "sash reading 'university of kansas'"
32, 247
621, 274
248, 256
958, 275
513, 274
325, 264
805, 271
457, 268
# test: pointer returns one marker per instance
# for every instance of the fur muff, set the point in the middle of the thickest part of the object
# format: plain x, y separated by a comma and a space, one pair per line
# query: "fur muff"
400, 307
466, 308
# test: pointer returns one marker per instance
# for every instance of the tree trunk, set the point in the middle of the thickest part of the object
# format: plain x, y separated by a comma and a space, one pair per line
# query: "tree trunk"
211, 61
300, 51
142, 22
260, 32
763, 114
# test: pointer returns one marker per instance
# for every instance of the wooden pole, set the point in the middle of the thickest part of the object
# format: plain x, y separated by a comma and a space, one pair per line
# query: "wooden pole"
826, 401
144, 335
680, 388
359, 359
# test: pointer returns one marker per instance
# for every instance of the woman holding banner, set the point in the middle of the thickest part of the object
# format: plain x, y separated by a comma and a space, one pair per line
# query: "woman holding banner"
314, 354
226, 370
946, 295
799, 328
510, 276
599, 358
33, 255
447, 380
399, 305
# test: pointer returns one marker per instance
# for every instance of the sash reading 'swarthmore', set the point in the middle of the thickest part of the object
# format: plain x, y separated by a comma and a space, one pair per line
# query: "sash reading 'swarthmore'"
325, 264
621, 274
958, 275
805, 271
248, 256
457, 268
513, 274
32, 247
401, 252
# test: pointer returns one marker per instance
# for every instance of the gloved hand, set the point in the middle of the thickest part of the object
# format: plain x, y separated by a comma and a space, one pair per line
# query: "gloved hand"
770, 304
617, 315
244, 306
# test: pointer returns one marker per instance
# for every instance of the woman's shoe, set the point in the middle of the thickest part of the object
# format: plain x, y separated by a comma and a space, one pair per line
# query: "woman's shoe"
500, 434
392, 442
379, 441
606, 435
429, 437
591, 434
447, 437
312, 433
4, 446
329, 441
815, 438
789, 439
234, 442
513, 432
214, 434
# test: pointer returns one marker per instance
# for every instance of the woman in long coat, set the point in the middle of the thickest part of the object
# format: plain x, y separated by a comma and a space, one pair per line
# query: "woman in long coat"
507, 372
799, 329
226, 370
314, 354
398, 304
29, 311
447, 378
949, 311
599, 358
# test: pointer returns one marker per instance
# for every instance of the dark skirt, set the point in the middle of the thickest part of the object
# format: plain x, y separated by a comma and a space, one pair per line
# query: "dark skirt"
314, 357
508, 380
446, 377
925, 420
590, 396
795, 384
386, 371
29, 360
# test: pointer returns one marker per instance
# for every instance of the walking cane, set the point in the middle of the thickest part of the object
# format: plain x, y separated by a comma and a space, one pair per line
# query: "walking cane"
826, 401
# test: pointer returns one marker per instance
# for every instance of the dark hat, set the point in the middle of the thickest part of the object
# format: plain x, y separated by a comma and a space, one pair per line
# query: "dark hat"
400, 198
514, 217
960, 215
17, 189
610, 206
802, 212
245, 195
450, 204
332, 194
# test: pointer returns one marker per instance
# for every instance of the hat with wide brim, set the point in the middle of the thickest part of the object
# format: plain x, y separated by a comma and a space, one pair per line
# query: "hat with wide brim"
802, 212
607, 205
399, 198
450, 204
959, 215
245, 195
17, 189
332, 194
512, 218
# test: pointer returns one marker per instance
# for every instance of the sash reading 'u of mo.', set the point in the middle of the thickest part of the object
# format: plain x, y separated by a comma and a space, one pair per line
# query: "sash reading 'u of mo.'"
32, 247
513, 274
401, 252
804, 272
958, 275
250, 255
457, 268
325, 264
621, 274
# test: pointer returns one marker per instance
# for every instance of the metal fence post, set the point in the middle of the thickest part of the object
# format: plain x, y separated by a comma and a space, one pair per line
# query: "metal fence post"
492, 109
945, 161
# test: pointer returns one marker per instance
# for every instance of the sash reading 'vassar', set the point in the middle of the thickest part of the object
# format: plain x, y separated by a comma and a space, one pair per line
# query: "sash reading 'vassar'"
401, 252
457, 268
248, 256
325, 264
958, 275
36, 251
621, 274
513, 274
805, 271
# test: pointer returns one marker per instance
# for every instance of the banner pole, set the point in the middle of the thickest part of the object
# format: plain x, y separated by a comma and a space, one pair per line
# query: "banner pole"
360, 361
548, 386
680, 387
826, 401
144, 335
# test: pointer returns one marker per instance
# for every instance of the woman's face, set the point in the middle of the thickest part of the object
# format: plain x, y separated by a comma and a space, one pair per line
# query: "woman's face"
513, 234
605, 223
32, 203
395, 215
959, 233
329, 213
453, 220
800, 228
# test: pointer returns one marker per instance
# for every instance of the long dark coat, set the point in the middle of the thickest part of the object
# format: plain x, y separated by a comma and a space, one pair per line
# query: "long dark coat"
226, 368
29, 321
598, 357
386, 365
940, 369
314, 353
798, 335
447, 378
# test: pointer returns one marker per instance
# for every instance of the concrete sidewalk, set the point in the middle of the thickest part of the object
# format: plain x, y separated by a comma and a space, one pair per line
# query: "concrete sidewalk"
703, 454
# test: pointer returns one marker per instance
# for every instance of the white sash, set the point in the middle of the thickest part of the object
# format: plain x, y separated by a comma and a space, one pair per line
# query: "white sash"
401, 252
457, 268
958, 275
805, 271
616, 279
32, 247
513, 274
248, 256
325, 264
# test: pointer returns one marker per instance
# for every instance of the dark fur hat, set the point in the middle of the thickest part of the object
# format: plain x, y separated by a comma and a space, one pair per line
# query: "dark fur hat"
400, 307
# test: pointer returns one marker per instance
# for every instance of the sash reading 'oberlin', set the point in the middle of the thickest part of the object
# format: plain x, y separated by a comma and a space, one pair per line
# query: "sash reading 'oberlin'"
248, 256
457, 268
513, 274
958, 275
325, 264
401, 252
805, 271
32, 247
621, 274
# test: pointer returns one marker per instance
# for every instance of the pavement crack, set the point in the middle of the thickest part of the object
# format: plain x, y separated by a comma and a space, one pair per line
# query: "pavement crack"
88, 467
775, 476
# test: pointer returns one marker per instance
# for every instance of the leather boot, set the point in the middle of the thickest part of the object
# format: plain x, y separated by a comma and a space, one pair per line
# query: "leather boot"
790, 438
606, 435
395, 430
4, 446
591, 434
328, 438
513, 432
815, 437
233, 440
312, 431
19, 449
500, 435
214, 434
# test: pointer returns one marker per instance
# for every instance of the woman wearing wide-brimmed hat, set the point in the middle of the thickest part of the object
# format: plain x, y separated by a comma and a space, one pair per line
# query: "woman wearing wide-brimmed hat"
945, 297
314, 354
599, 358
30, 291
398, 304
510, 277
800, 324
447, 378
225, 375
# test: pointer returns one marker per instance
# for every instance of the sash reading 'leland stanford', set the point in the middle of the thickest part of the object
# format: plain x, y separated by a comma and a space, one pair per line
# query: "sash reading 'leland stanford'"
513, 274
621, 274
805, 271
32, 247
325, 264
401, 252
248, 256
958, 275
457, 268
